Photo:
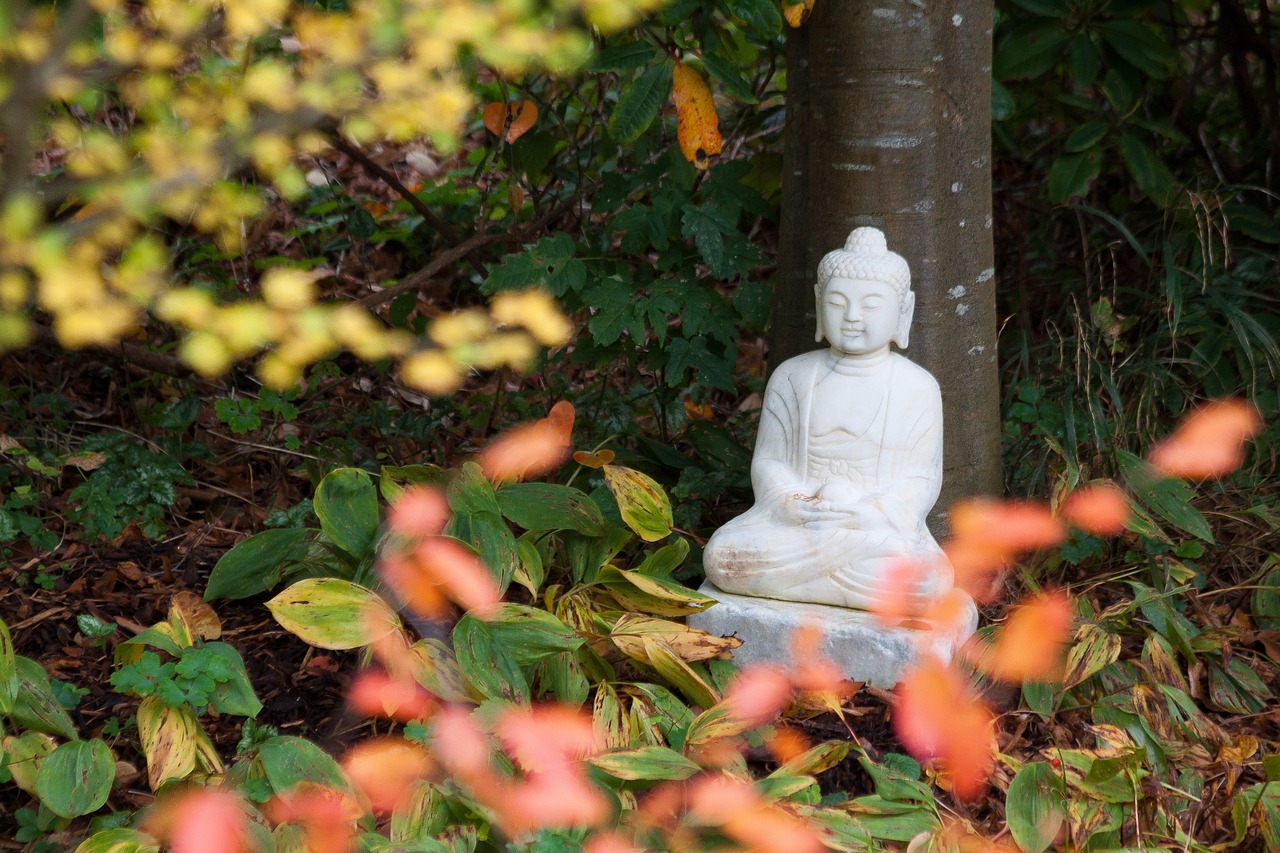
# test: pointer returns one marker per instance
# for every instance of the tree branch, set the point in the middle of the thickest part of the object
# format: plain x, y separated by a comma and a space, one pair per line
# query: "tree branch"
390, 179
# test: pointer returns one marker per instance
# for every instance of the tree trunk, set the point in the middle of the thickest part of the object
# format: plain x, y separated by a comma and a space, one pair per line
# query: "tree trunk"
889, 124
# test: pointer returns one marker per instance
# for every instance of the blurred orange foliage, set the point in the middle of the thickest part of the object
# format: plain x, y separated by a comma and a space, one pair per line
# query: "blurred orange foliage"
202, 820
418, 511
1100, 508
530, 450
939, 717
375, 693
385, 768
988, 534
1032, 641
1209, 442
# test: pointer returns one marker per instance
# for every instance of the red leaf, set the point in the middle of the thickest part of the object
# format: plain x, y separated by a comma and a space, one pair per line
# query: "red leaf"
206, 820
530, 450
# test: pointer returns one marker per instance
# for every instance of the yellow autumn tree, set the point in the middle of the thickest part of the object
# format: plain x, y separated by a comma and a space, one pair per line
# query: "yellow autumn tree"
119, 117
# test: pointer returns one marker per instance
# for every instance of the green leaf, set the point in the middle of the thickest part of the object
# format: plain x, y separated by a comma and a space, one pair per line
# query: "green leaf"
347, 505
763, 18
644, 506
1138, 45
1150, 173
1071, 174
1003, 104
896, 780
489, 535
471, 492
1029, 50
288, 761
814, 760
333, 613
665, 560
394, 479
233, 695
1085, 60
436, 669
549, 506
624, 57
1085, 136
76, 778
488, 665
1036, 806
1166, 497
640, 102
256, 564
646, 762
724, 73
530, 634
1095, 648
652, 594
1045, 8
9, 681
35, 706
120, 840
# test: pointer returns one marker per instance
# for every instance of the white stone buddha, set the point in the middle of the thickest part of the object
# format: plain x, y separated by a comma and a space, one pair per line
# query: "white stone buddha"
848, 460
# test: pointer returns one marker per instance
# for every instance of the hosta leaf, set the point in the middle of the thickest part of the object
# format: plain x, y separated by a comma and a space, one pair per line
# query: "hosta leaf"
347, 505
548, 506
170, 740
644, 506
487, 664
333, 613
256, 564
35, 706
76, 778
9, 680
1036, 806
288, 760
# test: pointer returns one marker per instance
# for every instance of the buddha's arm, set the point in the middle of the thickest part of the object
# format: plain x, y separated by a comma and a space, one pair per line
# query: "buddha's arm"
912, 470
773, 477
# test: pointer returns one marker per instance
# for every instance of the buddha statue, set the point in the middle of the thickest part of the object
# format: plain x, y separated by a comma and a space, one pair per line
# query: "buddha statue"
848, 459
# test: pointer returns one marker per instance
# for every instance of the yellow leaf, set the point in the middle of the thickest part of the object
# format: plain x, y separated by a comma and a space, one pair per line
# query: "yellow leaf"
516, 117
697, 125
797, 13
333, 613
686, 641
643, 504
169, 740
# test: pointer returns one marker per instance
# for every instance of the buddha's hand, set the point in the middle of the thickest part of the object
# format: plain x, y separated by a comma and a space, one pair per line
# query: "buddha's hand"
854, 516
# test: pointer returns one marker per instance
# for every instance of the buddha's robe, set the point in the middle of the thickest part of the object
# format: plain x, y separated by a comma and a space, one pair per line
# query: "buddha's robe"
858, 440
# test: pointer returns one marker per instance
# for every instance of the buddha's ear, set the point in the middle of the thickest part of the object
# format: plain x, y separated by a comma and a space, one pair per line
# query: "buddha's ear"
905, 315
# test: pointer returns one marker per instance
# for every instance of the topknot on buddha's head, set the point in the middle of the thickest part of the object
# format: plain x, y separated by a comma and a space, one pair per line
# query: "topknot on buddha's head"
865, 257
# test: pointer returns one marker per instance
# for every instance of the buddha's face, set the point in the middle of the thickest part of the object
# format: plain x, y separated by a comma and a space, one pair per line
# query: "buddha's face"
859, 317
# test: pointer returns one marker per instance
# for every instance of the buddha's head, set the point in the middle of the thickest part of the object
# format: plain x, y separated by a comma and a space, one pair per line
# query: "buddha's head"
864, 298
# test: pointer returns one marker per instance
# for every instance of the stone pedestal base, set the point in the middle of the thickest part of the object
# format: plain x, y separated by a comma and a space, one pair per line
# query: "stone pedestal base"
856, 640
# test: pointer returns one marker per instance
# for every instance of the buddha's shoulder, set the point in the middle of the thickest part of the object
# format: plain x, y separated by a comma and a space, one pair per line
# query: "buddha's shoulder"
906, 370
798, 367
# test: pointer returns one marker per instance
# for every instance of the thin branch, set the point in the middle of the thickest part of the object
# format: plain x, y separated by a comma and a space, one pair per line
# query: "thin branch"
389, 177
156, 362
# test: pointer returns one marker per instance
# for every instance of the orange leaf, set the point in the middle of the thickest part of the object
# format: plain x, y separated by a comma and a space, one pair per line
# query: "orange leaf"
327, 816
797, 13
419, 511
698, 411
1101, 509
206, 820
811, 671
697, 125
516, 118
417, 589
894, 597
548, 737
596, 459
456, 568
608, 842
989, 534
376, 694
385, 768
786, 744
1032, 641
737, 807
758, 694
530, 449
937, 716
560, 799
1210, 442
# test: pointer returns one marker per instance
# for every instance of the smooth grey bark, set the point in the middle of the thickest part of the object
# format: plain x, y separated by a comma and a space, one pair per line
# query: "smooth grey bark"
889, 124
